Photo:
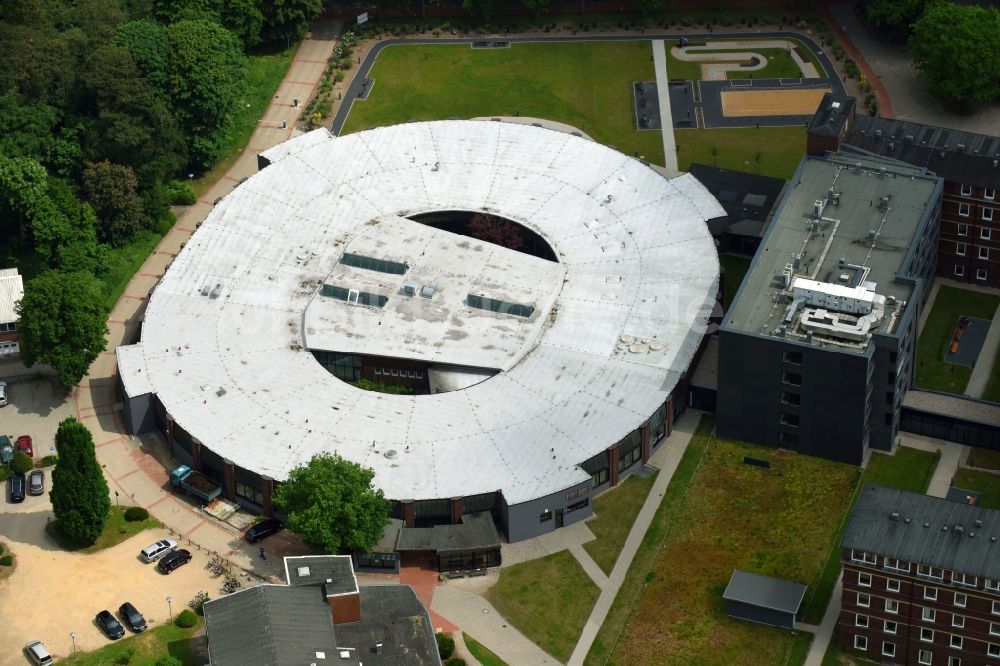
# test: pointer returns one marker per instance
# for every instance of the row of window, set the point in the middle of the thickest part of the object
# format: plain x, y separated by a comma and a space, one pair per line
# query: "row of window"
989, 193
393, 372
985, 233
924, 657
962, 248
960, 272
8, 327
924, 570
963, 210
864, 600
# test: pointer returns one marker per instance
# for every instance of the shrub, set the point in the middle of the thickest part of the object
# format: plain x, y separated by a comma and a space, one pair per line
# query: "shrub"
22, 463
134, 514
446, 645
125, 657
338, 76
186, 619
49, 461
5, 472
1, 548
169, 660
6, 560
180, 194
455, 661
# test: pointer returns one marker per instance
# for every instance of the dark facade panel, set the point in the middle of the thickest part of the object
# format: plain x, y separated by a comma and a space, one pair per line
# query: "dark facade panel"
751, 613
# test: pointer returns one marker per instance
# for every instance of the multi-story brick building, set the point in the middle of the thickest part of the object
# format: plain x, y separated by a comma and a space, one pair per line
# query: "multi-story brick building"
921, 580
969, 249
11, 292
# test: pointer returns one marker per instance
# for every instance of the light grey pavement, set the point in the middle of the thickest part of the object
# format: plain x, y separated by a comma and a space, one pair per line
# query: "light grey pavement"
666, 119
987, 357
951, 456
480, 620
589, 565
823, 635
545, 544
910, 98
666, 458
714, 72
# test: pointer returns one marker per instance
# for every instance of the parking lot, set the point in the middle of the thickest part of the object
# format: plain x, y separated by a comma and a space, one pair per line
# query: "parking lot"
36, 408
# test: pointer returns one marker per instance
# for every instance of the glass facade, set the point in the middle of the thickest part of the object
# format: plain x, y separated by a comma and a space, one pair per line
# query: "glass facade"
377, 560
598, 468
658, 425
371, 264
342, 366
354, 296
469, 559
503, 307
630, 450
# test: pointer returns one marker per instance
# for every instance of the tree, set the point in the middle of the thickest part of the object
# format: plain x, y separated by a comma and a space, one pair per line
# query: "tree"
80, 499
147, 42
536, 7
496, 230
480, 9
956, 48
63, 231
893, 18
287, 20
62, 323
331, 503
111, 190
648, 7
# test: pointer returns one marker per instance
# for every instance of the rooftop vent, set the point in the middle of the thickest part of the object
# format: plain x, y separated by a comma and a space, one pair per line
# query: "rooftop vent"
216, 291
894, 515
979, 523
410, 287
391, 454
959, 529
302, 571
428, 290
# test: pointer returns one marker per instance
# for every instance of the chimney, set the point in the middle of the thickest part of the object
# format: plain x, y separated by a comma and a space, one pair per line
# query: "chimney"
344, 607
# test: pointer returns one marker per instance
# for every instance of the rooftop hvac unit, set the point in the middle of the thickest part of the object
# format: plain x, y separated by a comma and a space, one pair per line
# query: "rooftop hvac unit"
410, 287
428, 290
818, 208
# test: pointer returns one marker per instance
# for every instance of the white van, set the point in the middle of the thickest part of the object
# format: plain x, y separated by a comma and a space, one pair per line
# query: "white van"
157, 550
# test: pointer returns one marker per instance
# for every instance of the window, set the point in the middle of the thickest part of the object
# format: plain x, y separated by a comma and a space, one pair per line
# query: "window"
963, 230
372, 264
930, 593
892, 585
996, 607
546, 515
930, 572
865, 579
494, 305
891, 606
966, 190
928, 614
956, 641
990, 193
960, 249
860, 620
578, 505
860, 642
927, 635
963, 579
863, 557
988, 216
994, 629
992, 585
353, 296
249, 493
790, 419
791, 378
960, 599
958, 621
963, 209
889, 649
576, 493
959, 270
791, 398
924, 657
984, 252
898, 565
980, 273
954, 661
795, 358
993, 650
890, 627
600, 477
864, 600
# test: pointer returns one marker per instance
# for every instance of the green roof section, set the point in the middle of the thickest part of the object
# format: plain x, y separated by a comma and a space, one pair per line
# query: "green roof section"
372, 264
494, 305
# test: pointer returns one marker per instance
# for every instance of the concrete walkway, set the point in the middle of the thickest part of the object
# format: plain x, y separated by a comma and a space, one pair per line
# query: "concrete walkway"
989, 355
824, 634
952, 456
666, 458
666, 118
712, 72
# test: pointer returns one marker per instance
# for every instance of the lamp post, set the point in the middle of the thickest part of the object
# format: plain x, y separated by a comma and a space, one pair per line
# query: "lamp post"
72, 637
116, 498
170, 609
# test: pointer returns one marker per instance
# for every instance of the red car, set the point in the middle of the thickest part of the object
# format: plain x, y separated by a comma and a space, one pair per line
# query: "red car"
24, 444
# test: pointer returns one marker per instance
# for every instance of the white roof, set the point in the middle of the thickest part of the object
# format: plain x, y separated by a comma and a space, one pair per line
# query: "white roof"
636, 260
11, 292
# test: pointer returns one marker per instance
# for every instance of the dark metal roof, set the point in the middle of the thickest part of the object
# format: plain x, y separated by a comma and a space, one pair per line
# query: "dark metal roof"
335, 573
391, 615
959, 157
744, 196
764, 591
832, 114
476, 532
925, 531
270, 625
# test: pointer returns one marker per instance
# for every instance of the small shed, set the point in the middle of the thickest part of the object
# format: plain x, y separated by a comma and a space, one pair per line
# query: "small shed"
763, 599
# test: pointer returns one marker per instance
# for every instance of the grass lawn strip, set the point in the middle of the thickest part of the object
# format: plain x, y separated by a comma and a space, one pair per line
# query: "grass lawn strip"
950, 304
548, 600
116, 530
587, 85
987, 484
781, 64
481, 652
615, 512
992, 391
145, 648
780, 148
735, 268
984, 458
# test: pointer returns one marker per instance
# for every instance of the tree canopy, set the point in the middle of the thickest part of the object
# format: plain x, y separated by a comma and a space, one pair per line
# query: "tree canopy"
62, 323
956, 49
80, 498
892, 18
331, 503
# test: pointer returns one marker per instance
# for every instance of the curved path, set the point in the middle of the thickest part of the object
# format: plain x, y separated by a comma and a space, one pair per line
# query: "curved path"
713, 71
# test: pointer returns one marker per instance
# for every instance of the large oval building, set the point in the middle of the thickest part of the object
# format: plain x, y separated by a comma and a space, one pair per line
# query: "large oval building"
531, 383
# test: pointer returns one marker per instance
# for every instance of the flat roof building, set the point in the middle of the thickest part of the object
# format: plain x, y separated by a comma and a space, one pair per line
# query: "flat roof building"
817, 350
11, 293
763, 599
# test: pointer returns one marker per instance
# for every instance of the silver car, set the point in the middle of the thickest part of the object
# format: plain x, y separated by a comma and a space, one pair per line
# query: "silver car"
3, 394
37, 653
36, 482
155, 551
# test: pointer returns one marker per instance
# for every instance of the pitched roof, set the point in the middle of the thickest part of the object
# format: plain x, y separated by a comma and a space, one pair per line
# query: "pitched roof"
833, 112
926, 530
476, 531
764, 591
393, 619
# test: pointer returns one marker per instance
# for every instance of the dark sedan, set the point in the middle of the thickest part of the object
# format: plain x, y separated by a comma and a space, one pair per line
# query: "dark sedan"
17, 488
264, 528
111, 627
133, 618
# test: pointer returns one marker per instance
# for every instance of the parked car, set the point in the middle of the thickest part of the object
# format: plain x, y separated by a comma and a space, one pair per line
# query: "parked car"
111, 627
37, 654
3, 394
24, 444
171, 561
36, 482
6, 450
133, 618
263, 529
155, 551
17, 488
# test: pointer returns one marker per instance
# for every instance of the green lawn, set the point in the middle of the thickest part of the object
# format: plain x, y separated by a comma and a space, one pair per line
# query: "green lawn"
985, 483
587, 85
984, 458
116, 530
992, 391
616, 511
780, 64
718, 515
736, 268
482, 654
548, 600
950, 304
144, 648
780, 148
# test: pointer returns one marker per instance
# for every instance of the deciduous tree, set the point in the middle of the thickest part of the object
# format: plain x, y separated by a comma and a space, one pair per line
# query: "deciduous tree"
287, 20
331, 503
80, 498
111, 190
893, 18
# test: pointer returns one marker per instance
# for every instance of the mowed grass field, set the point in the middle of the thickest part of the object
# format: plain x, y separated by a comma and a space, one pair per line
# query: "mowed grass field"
587, 85
777, 522
767, 151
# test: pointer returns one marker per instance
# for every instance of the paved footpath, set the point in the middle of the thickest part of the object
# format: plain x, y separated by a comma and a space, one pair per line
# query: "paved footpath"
666, 119
989, 355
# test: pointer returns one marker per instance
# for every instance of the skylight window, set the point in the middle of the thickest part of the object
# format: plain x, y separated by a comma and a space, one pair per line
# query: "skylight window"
354, 296
372, 264
494, 305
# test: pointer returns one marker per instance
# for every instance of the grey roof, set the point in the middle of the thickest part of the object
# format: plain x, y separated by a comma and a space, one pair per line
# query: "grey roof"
832, 114
706, 374
390, 535
742, 195
269, 625
476, 532
335, 573
961, 407
764, 591
961, 157
393, 616
746, 228
925, 531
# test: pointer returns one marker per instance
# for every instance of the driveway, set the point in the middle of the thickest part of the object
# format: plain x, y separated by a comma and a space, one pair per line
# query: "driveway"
36, 408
